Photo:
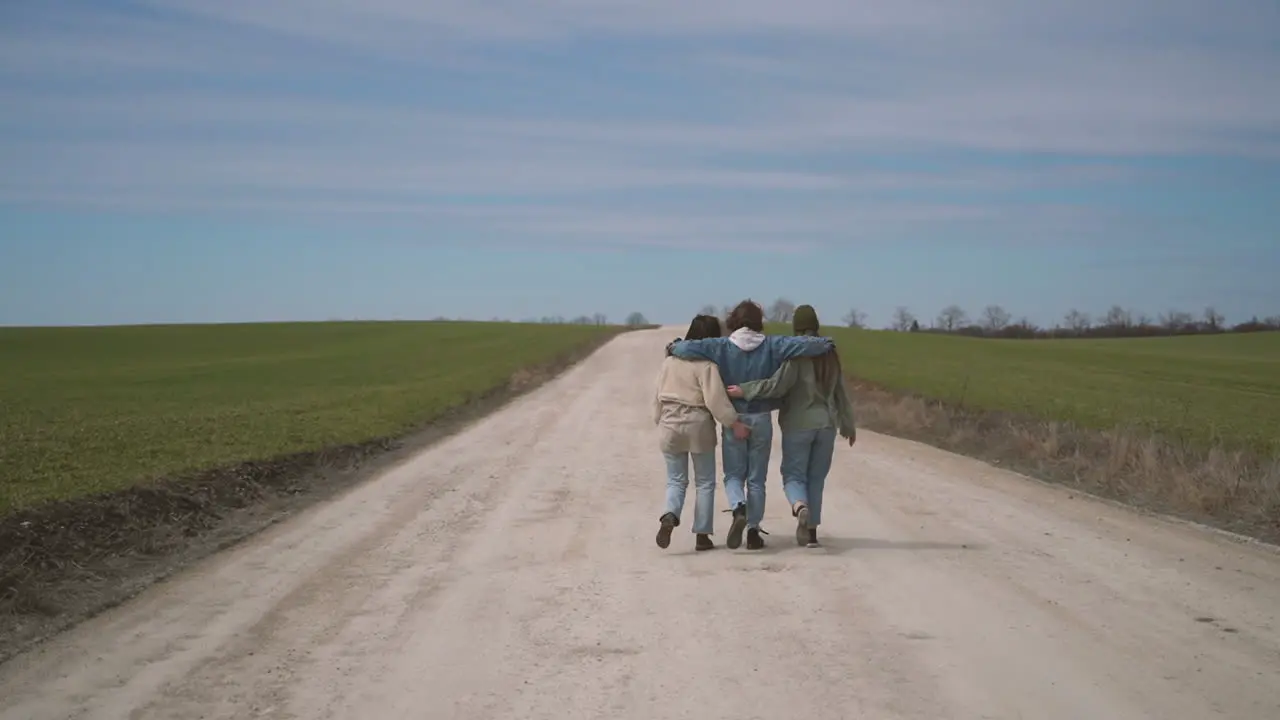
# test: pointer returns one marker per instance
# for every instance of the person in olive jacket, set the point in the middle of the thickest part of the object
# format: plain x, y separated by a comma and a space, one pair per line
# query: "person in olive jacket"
815, 408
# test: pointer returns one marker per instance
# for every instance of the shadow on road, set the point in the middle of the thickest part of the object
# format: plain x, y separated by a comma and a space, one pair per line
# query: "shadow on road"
837, 546
841, 545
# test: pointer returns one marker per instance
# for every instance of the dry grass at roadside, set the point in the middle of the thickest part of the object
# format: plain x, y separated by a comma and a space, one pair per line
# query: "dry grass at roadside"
1232, 489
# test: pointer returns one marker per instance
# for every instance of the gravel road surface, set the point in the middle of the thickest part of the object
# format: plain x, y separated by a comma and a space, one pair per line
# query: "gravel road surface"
510, 572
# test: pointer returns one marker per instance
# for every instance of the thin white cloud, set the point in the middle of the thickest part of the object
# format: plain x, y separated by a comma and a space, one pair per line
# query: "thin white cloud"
395, 106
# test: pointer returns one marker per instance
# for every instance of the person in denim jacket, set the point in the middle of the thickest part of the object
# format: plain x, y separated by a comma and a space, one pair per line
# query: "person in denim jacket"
815, 409
748, 354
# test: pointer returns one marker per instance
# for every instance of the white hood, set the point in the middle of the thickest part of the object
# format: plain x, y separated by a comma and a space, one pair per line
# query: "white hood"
746, 339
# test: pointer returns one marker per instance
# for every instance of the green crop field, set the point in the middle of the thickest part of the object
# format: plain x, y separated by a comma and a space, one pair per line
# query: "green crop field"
1203, 389
89, 410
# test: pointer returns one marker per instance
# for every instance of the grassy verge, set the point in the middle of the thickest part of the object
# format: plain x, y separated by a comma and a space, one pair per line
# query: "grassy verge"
1188, 426
129, 452
93, 410
1208, 390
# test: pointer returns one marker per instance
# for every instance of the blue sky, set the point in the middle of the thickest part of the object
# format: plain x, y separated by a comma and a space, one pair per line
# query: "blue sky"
191, 161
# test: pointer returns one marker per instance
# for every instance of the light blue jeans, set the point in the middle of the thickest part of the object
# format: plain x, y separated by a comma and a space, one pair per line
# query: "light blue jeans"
806, 460
704, 474
747, 461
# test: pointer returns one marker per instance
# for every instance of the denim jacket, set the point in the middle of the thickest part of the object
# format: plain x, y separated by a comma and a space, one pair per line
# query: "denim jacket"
747, 355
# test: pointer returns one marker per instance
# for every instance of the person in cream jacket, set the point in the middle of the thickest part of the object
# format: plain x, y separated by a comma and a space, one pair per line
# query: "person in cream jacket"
690, 398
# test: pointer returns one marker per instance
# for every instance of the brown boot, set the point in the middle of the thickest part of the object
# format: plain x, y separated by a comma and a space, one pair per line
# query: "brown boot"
734, 541
669, 522
703, 542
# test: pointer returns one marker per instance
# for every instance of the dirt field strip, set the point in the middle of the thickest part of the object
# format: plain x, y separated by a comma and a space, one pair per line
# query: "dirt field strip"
510, 572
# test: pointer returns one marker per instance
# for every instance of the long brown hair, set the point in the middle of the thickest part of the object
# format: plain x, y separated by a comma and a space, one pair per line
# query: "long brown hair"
827, 370
703, 326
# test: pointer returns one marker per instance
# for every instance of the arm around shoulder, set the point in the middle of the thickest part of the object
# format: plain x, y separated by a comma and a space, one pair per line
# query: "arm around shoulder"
790, 347
704, 349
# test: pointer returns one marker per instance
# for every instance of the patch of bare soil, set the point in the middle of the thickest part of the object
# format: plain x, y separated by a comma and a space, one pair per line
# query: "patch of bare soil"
1230, 489
62, 562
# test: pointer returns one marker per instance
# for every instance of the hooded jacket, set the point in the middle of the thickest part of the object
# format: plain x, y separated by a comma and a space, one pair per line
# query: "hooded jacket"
748, 355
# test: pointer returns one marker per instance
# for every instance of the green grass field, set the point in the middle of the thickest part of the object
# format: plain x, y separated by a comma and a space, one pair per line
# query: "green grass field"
1204, 389
89, 410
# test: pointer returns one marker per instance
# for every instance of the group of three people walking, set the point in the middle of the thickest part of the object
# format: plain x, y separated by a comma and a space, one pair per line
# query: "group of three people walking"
739, 380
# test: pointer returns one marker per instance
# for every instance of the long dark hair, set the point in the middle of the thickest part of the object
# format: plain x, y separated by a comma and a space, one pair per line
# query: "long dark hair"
827, 371
703, 326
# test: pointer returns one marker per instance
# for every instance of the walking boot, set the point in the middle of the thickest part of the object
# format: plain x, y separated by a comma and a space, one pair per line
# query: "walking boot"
703, 543
669, 522
813, 538
754, 541
734, 540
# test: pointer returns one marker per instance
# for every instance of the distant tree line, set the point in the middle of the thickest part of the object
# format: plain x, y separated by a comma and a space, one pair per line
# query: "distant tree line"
996, 322
635, 319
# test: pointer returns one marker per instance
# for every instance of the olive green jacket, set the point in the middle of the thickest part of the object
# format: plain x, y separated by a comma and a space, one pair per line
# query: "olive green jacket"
804, 405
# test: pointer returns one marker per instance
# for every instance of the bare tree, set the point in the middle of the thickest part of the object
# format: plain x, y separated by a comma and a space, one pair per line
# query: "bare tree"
855, 318
636, 319
709, 310
1175, 319
782, 310
600, 319
1077, 321
995, 318
902, 319
1213, 320
952, 318
1118, 317
582, 320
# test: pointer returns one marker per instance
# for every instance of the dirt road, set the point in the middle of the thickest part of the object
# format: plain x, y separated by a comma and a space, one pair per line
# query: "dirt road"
510, 572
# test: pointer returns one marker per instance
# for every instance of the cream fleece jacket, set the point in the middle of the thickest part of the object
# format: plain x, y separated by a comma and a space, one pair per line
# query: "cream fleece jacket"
689, 398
